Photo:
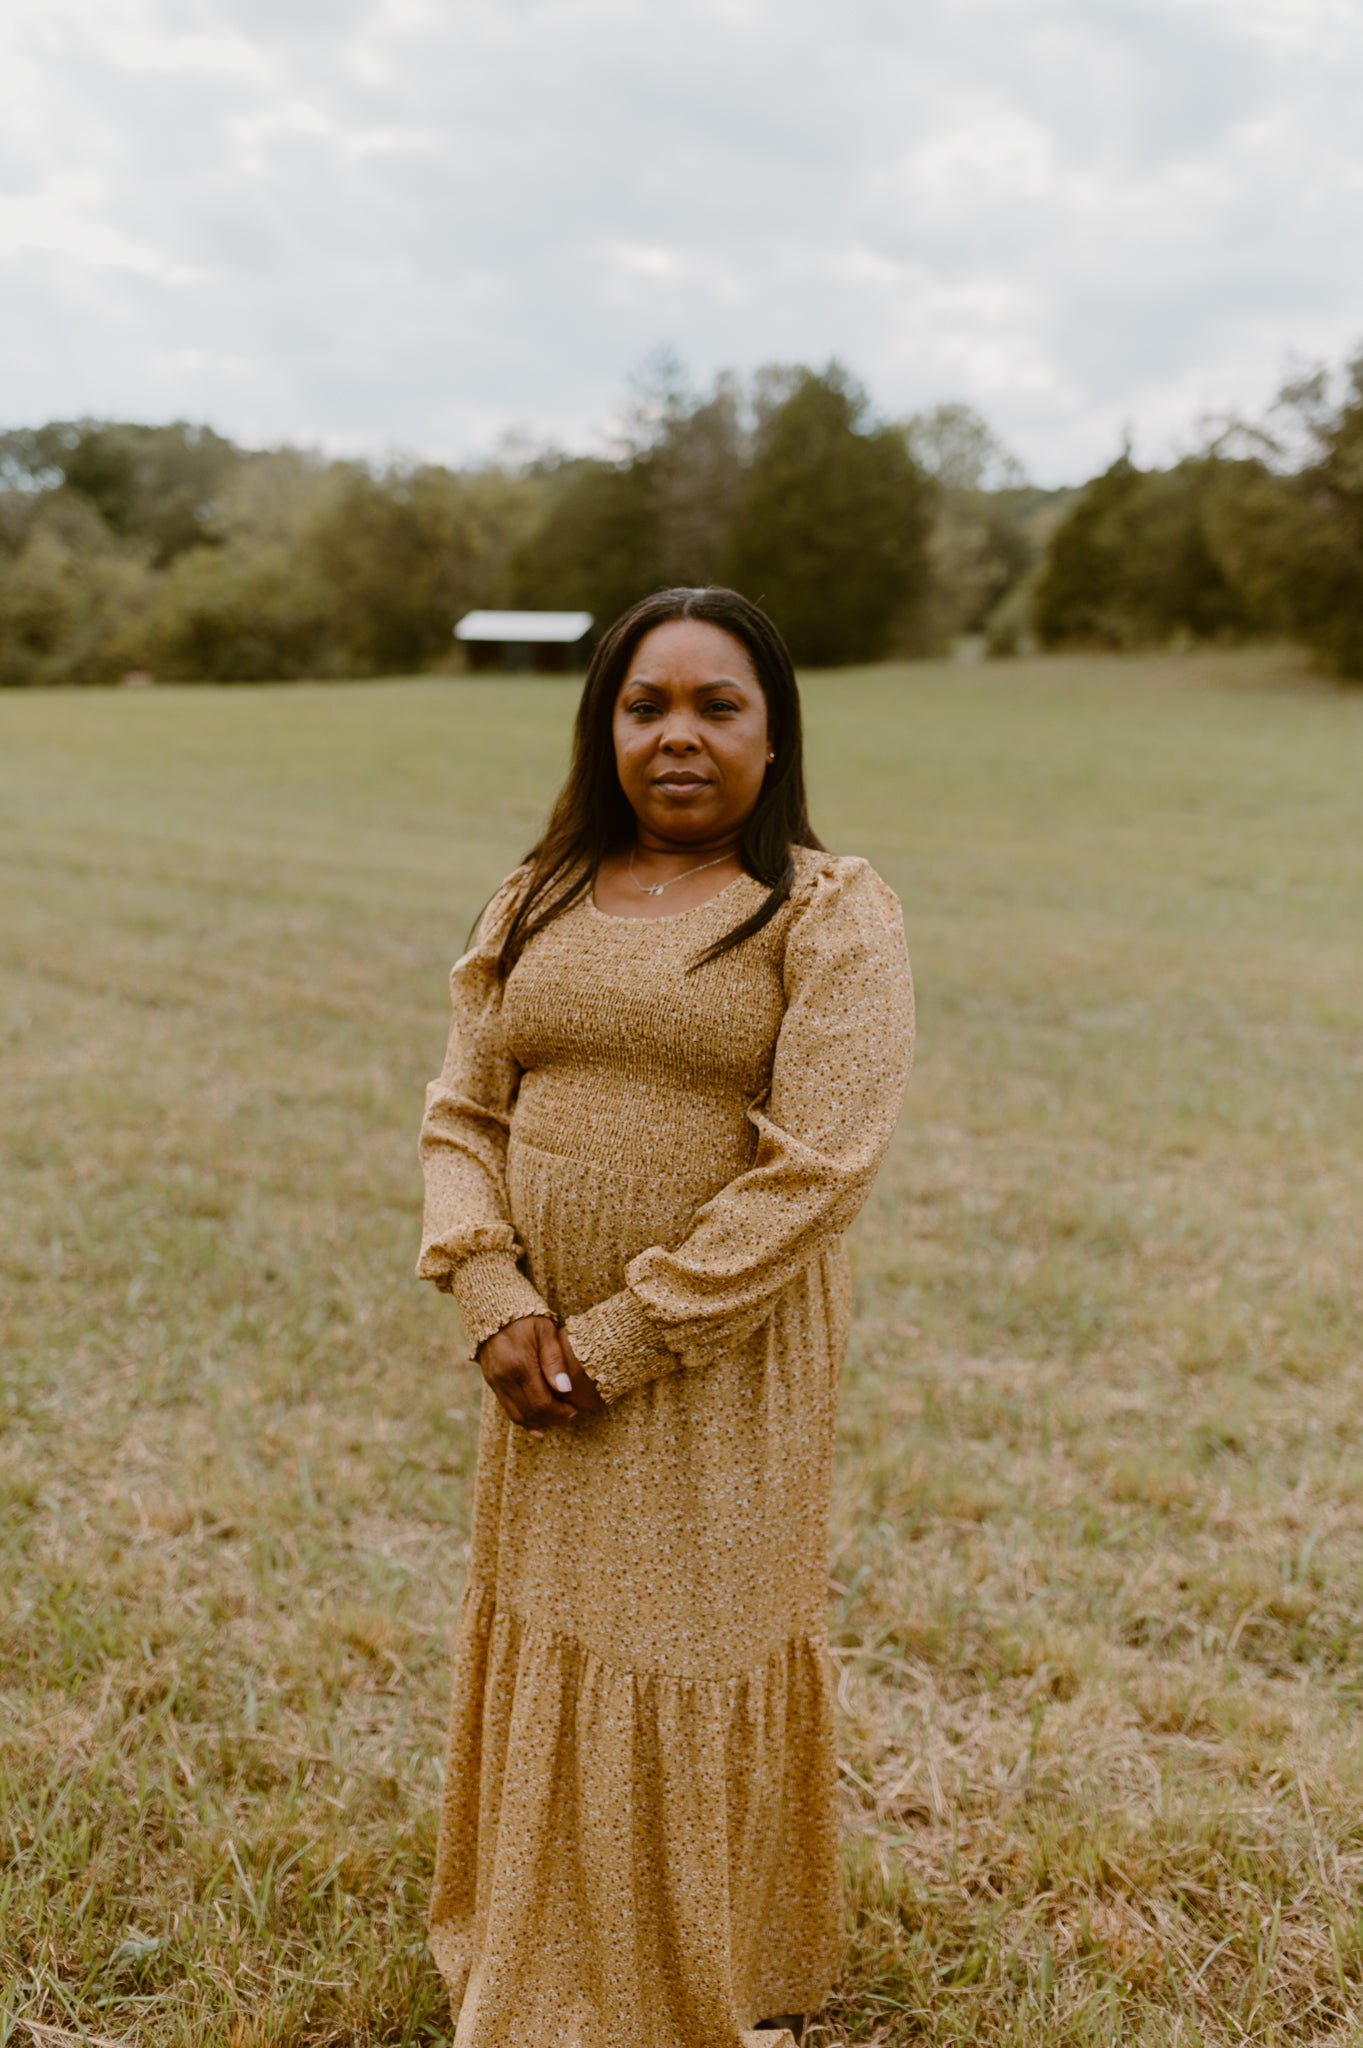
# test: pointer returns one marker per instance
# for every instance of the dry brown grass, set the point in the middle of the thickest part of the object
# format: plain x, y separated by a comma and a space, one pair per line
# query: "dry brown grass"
1099, 1527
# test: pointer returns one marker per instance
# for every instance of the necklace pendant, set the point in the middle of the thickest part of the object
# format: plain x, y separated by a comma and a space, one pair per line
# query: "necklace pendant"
657, 888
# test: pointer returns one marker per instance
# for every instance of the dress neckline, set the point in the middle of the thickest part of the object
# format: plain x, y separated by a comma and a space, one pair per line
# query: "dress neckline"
668, 916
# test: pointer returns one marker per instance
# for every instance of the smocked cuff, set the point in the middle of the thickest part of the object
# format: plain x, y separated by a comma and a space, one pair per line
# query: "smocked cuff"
618, 1346
492, 1291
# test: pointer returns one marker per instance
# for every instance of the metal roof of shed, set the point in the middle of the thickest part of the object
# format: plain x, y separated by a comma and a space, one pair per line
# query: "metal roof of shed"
543, 627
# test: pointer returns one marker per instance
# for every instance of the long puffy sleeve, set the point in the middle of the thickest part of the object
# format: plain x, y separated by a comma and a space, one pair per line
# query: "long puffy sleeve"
840, 1068
468, 1246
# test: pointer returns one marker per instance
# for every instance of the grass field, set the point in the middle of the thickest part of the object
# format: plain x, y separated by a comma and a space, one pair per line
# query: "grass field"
1097, 1583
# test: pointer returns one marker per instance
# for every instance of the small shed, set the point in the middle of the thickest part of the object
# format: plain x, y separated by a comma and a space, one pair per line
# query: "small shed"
555, 641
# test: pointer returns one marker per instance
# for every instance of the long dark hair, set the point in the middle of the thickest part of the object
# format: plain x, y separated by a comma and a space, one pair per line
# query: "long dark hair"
592, 817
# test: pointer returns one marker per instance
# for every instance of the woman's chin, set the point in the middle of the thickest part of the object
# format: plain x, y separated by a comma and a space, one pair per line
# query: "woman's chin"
683, 818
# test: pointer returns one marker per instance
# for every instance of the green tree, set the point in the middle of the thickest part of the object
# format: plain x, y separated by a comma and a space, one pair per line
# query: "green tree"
1282, 543
73, 602
156, 486
985, 537
1289, 525
960, 451
1078, 594
400, 556
596, 547
695, 473
1132, 563
242, 613
660, 512
830, 526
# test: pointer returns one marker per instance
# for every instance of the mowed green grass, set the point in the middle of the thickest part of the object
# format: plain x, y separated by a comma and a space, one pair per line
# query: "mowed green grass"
1097, 1576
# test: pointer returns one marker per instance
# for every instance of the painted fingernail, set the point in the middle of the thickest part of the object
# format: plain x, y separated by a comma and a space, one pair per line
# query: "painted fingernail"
536, 1436
562, 1382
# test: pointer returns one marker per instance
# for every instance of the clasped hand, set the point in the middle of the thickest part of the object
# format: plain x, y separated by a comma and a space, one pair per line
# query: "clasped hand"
535, 1374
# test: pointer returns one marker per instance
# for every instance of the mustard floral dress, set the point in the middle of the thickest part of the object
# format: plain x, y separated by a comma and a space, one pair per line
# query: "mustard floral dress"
637, 1842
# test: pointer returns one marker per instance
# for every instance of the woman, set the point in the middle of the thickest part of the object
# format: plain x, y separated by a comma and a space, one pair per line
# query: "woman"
680, 1043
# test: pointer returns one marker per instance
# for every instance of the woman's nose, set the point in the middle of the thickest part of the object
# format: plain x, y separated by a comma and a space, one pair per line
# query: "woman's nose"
679, 737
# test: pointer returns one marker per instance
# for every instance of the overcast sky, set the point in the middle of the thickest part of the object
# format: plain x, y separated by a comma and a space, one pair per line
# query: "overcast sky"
417, 224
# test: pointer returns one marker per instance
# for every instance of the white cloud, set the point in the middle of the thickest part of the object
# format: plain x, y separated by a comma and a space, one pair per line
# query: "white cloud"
65, 220
392, 222
983, 153
1313, 29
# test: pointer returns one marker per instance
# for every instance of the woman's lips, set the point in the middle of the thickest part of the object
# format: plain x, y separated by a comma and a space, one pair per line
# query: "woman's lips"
681, 783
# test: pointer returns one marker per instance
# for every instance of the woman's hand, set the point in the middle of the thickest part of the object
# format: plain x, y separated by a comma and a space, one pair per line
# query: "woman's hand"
584, 1396
531, 1369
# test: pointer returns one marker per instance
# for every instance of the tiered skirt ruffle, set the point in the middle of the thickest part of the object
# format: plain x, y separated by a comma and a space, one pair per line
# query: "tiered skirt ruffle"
631, 1859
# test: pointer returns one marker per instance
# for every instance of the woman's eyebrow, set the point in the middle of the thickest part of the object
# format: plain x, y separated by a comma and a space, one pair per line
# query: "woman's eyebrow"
713, 683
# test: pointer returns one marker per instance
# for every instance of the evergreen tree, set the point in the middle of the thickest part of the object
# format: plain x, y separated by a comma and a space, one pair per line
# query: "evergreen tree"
596, 547
1132, 563
830, 525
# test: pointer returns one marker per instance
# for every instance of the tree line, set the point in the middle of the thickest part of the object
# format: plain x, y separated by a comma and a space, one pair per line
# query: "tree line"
171, 550
1259, 535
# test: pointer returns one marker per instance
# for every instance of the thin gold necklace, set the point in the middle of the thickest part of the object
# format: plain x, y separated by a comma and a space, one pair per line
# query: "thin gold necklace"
657, 888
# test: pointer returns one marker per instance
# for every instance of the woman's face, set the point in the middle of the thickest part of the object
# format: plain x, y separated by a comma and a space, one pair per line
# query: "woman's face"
690, 729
